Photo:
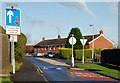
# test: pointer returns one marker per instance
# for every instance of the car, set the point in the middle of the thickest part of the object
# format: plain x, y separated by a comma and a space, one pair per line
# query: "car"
49, 54
38, 54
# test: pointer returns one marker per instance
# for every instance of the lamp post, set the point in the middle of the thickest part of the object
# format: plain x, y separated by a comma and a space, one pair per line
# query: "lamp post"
92, 44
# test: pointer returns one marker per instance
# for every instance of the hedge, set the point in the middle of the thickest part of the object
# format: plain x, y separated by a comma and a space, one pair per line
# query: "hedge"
67, 52
19, 46
87, 54
111, 56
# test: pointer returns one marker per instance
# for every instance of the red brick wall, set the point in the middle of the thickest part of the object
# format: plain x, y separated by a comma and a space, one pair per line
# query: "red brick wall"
101, 43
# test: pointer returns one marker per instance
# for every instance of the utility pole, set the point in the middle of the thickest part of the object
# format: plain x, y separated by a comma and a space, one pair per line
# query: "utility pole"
92, 44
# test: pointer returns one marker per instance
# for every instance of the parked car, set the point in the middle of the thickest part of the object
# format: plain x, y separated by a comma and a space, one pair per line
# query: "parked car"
38, 54
49, 54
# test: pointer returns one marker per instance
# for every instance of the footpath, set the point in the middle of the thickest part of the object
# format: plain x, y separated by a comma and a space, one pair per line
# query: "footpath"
28, 74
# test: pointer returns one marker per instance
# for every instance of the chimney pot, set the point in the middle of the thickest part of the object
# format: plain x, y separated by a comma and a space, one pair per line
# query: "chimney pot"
101, 32
59, 36
43, 38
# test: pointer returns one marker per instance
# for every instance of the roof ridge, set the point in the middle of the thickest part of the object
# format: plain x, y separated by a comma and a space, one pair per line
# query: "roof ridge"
54, 39
91, 35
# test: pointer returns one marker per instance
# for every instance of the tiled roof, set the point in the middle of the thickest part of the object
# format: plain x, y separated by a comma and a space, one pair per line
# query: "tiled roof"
52, 42
90, 37
63, 40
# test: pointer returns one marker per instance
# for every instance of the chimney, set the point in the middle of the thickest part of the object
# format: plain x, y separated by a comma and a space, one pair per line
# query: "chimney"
59, 36
43, 38
101, 32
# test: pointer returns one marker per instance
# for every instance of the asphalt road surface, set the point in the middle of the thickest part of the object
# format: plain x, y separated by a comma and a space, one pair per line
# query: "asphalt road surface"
57, 73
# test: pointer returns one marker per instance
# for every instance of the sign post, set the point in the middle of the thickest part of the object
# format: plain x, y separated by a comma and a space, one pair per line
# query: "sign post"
12, 53
13, 23
72, 41
83, 41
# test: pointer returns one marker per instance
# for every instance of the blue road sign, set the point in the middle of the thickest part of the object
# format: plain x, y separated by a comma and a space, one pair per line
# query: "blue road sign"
13, 17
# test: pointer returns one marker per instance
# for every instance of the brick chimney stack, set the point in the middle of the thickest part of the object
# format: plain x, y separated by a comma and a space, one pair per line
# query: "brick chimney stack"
59, 36
101, 32
43, 38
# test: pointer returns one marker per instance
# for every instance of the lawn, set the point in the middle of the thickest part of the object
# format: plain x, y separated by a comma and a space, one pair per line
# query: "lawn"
100, 69
7, 79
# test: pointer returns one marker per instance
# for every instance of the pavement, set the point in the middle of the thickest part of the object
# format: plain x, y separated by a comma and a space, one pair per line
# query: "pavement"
28, 73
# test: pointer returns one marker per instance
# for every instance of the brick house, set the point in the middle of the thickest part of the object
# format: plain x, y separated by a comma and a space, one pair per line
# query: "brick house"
53, 45
100, 41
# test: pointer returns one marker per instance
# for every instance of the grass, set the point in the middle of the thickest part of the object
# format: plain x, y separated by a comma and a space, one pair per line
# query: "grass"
100, 69
17, 67
7, 79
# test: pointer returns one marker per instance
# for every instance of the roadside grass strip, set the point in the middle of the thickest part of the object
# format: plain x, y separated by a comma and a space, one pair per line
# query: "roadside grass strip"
17, 67
7, 79
100, 69
89, 75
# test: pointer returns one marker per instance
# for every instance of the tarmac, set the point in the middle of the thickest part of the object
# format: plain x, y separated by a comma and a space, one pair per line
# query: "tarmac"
28, 74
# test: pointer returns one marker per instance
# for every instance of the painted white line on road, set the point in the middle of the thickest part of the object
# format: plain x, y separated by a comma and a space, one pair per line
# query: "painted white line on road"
39, 70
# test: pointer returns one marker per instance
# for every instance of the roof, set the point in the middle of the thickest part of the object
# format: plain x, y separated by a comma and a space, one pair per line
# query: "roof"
90, 37
52, 42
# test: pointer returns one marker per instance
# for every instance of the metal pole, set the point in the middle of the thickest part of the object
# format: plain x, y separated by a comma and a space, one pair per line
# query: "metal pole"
83, 51
13, 58
72, 52
93, 46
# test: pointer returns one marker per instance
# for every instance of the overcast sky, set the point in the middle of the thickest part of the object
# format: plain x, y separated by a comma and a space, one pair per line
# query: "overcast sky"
44, 18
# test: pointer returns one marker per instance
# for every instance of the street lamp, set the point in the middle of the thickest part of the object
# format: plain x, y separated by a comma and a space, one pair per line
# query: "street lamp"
92, 44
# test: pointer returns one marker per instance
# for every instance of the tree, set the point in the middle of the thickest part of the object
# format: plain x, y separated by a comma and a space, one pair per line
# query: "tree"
77, 35
2, 30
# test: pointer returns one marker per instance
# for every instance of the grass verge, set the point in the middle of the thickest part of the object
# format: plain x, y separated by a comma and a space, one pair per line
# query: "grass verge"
7, 79
100, 69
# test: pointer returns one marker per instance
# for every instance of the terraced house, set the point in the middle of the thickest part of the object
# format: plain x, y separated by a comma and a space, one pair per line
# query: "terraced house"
53, 45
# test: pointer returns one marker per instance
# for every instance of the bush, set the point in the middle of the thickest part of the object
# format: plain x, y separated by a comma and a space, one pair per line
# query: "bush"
67, 52
20, 46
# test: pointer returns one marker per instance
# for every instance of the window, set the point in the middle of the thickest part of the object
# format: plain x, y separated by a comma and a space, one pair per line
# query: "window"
55, 48
38, 49
46, 48
42, 48
50, 48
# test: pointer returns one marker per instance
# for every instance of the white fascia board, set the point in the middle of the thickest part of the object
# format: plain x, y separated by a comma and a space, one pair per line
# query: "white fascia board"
99, 37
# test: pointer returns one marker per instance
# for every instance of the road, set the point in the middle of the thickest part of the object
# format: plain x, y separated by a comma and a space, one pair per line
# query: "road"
58, 72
